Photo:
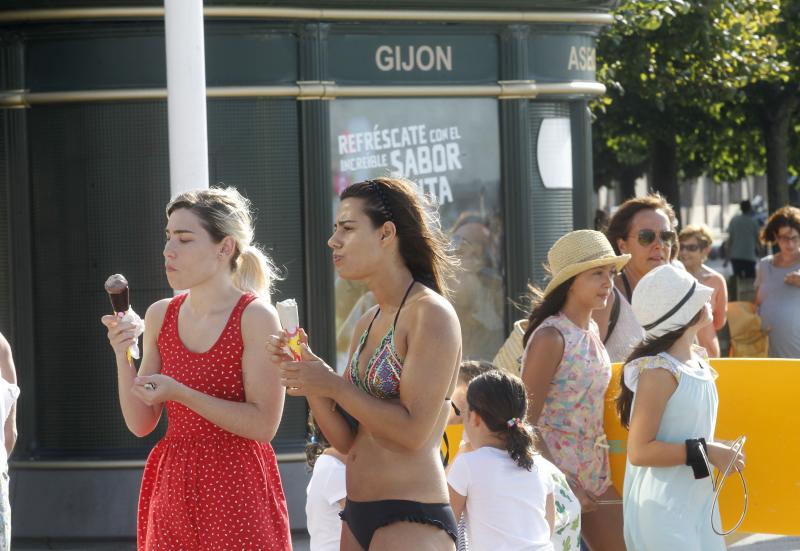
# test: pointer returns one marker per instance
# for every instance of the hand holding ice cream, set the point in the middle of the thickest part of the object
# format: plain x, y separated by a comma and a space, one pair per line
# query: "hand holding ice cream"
290, 321
302, 373
118, 292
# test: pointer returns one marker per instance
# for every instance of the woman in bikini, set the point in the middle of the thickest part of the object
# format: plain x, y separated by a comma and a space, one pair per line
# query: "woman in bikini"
389, 409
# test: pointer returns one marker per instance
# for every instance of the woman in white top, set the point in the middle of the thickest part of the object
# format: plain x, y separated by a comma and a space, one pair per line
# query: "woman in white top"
9, 392
643, 227
326, 492
509, 504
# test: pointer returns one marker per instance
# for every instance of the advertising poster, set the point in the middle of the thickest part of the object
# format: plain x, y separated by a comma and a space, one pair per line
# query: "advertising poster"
451, 149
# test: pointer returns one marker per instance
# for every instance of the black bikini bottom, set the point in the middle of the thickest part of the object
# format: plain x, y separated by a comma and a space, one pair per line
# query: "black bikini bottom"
365, 517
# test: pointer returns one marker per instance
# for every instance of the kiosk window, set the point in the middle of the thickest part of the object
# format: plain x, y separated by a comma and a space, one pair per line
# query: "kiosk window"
451, 149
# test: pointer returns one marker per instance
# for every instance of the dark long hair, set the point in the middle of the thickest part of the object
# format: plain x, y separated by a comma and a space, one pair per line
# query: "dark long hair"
542, 307
316, 443
648, 347
498, 397
423, 246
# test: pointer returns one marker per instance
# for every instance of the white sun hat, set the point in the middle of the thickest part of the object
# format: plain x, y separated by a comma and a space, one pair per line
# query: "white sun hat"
666, 299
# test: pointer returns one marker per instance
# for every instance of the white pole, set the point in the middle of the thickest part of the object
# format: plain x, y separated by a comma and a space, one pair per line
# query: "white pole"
186, 95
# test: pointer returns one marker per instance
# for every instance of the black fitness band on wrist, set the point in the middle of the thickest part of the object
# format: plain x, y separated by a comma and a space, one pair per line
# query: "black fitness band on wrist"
695, 457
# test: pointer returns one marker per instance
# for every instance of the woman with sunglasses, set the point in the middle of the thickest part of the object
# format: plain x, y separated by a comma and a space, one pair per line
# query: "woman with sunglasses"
566, 371
695, 246
643, 227
778, 283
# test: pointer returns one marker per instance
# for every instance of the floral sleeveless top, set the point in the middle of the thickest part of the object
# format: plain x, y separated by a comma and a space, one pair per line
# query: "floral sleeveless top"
571, 422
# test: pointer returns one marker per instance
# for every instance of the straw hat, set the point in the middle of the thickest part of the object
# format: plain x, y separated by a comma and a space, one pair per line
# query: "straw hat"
577, 252
666, 299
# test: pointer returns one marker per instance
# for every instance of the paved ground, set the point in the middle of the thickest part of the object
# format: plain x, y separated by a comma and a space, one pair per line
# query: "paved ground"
299, 542
756, 542
763, 542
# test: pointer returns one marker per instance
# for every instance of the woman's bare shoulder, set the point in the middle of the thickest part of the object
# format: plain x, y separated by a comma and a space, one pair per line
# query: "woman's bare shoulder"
5, 348
431, 303
6, 362
547, 337
259, 314
154, 317
158, 309
712, 277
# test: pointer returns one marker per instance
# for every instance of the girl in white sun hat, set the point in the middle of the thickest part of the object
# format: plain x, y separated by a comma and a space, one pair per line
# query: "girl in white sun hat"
669, 404
566, 371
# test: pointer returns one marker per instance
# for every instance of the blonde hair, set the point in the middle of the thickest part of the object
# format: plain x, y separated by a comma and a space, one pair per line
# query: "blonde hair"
700, 232
224, 212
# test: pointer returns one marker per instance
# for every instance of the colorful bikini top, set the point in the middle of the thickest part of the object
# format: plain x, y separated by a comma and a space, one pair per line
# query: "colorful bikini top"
382, 377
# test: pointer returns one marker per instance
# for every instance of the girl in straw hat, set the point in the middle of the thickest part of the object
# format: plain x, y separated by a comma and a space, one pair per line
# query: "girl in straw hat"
669, 403
566, 370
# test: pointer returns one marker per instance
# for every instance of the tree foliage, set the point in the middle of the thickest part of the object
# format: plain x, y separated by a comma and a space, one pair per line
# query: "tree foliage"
679, 75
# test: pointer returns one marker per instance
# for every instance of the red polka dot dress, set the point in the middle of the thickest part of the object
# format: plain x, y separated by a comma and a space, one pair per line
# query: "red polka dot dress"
205, 488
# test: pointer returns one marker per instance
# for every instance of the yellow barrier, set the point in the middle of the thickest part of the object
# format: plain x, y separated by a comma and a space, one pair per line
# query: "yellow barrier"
756, 399
454, 433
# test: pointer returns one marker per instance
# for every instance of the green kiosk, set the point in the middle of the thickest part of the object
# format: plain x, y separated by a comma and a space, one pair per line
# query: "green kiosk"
483, 103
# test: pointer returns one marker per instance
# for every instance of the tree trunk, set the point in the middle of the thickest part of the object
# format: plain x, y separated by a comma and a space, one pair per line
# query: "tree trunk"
664, 171
627, 182
777, 123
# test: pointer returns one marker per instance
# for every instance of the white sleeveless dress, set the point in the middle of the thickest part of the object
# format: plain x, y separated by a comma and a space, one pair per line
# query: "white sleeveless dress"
665, 508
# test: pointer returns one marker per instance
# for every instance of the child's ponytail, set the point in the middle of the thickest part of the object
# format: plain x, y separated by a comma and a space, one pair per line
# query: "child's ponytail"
520, 443
501, 401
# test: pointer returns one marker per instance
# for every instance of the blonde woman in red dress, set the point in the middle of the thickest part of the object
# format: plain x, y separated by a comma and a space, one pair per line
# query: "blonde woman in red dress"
212, 482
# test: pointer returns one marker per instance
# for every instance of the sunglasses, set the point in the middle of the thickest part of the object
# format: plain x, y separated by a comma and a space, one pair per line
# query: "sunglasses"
691, 247
455, 408
647, 237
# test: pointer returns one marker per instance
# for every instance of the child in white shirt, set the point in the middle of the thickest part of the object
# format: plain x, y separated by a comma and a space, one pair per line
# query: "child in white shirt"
567, 531
325, 494
509, 504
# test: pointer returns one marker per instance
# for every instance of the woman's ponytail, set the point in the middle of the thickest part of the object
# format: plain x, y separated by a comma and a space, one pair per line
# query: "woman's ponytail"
254, 272
224, 212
